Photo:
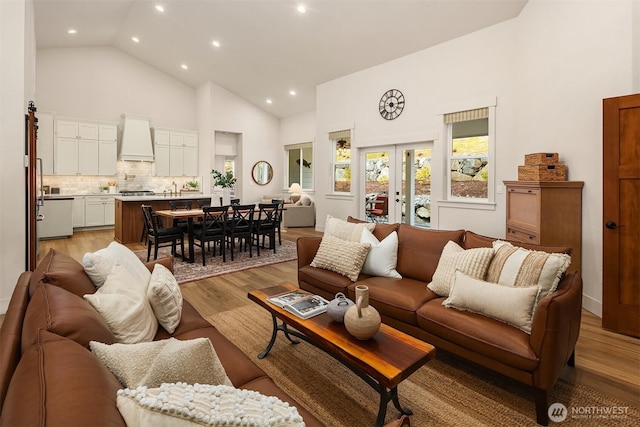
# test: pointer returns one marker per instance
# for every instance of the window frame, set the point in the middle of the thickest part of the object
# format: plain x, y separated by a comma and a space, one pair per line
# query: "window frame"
334, 161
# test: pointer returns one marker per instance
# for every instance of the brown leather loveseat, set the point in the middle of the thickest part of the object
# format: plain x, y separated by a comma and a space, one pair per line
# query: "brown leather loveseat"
48, 377
536, 359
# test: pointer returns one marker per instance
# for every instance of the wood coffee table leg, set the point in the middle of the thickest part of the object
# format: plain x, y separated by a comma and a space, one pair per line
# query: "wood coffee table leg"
274, 334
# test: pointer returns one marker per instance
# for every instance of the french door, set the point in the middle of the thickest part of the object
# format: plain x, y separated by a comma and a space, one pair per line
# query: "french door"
402, 174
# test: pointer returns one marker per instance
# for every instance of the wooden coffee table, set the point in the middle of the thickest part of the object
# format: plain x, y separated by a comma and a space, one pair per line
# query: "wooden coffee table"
382, 361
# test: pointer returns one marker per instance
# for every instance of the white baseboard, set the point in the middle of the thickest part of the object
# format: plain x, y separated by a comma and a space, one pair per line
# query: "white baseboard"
592, 305
4, 305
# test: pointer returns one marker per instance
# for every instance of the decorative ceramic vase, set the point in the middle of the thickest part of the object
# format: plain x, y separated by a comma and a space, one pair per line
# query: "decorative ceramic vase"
338, 307
361, 320
226, 196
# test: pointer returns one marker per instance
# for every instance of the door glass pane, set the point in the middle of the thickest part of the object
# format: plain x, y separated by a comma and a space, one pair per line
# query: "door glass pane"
377, 186
416, 187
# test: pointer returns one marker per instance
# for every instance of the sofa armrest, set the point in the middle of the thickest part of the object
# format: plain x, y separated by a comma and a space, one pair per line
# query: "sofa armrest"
166, 261
307, 248
555, 329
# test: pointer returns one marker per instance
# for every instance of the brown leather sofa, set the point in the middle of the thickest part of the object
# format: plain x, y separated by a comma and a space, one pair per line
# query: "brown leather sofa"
49, 377
408, 305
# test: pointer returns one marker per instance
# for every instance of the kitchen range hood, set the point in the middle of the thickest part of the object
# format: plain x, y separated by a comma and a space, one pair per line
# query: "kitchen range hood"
134, 142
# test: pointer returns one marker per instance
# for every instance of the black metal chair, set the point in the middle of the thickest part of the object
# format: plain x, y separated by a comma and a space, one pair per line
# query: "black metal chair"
240, 227
266, 225
159, 236
203, 203
175, 205
213, 229
280, 212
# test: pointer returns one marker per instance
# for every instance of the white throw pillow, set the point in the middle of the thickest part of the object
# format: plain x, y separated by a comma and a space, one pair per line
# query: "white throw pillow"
473, 262
341, 256
514, 306
98, 264
150, 364
346, 230
383, 255
178, 405
165, 297
122, 302
519, 267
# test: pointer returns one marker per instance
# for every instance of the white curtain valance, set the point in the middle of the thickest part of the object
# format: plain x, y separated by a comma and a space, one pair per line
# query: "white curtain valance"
468, 115
340, 134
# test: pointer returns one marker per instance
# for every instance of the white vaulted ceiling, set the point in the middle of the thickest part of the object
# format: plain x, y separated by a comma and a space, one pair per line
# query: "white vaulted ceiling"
267, 47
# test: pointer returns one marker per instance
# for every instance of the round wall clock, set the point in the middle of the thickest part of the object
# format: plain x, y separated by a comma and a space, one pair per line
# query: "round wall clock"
391, 104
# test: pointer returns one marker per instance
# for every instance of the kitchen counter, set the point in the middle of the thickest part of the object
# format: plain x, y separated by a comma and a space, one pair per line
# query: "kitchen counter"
129, 222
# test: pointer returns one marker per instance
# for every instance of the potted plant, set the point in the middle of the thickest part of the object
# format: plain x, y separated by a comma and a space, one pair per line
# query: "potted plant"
192, 185
226, 181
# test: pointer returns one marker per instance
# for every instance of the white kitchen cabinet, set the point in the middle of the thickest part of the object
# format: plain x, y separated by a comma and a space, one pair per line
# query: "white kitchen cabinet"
183, 153
46, 138
162, 152
56, 220
78, 211
85, 148
99, 211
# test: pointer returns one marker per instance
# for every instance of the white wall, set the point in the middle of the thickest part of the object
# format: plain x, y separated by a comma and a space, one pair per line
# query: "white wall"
101, 83
549, 68
17, 89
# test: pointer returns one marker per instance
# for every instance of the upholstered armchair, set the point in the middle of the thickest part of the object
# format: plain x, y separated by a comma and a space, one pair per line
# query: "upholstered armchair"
300, 214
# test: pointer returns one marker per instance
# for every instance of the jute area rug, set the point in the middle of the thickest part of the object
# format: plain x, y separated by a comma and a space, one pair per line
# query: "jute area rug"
447, 391
186, 272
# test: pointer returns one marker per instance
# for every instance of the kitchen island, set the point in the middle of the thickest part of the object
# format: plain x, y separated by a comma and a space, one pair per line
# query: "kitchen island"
129, 222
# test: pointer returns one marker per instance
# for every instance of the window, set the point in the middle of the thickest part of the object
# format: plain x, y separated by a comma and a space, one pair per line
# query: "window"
230, 164
469, 150
300, 165
341, 147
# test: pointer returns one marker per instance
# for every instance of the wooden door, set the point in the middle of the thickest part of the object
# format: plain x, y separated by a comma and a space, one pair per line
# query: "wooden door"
621, 215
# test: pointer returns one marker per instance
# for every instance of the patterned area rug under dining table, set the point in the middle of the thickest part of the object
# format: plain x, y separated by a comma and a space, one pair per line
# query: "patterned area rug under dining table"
186, 272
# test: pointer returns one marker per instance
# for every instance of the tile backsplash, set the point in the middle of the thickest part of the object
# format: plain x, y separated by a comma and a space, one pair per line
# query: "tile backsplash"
129, 176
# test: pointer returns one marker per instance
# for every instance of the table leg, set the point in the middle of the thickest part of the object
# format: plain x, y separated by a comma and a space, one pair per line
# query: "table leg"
190, 233
274, 335
385, 397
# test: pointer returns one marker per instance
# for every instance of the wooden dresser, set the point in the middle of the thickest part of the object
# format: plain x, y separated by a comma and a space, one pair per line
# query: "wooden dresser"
546, 213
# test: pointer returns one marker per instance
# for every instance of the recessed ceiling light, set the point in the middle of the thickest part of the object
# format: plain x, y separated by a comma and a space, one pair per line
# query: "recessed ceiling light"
269, 101
301, 8
159, 8
215, 43
135, 39
184, 67
72, 31
292, 92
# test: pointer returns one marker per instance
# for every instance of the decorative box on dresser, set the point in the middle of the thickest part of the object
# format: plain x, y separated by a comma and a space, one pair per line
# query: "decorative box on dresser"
546, 213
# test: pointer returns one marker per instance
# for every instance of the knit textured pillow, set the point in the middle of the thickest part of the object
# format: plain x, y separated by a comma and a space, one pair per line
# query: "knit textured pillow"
472, 262
177, 405
341, 256
346, 230
165, 297
519, 267
153, 363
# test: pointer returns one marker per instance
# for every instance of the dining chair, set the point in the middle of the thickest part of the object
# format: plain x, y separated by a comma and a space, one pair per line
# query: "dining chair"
240, 227
213, 229
180, 204
380, 210
280, 212
159, 236
203, 203
266, 225
234, 201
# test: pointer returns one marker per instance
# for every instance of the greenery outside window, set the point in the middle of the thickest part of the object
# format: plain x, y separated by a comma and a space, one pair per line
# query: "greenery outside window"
469, 154
341, 147
299, 160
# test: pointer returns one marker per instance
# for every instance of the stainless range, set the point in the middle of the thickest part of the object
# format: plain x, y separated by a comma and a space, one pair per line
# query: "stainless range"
136, 193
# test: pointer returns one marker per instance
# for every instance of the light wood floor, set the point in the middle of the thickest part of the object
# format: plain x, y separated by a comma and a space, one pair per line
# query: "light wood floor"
605, 361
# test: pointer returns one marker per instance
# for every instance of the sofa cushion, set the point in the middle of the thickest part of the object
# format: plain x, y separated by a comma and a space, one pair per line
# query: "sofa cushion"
474, 240
98, 265
419, 250
60, 383
59, 269
383, 255
519, 267
190, 320
489, 337
165, 298
380, 231
505, 303
395, 298
473, 262
152, 363
346, 230
342, 256
208, 404
328, 281
122, 302
56, 310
